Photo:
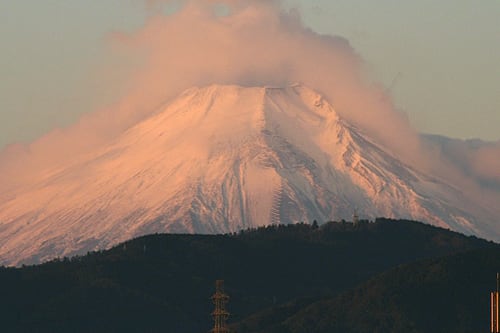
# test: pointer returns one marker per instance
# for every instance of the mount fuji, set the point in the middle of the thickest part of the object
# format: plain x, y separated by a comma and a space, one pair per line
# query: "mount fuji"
220, 159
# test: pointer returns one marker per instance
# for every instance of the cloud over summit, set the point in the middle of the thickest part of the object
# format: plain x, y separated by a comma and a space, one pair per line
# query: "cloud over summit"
243, 42
257, 43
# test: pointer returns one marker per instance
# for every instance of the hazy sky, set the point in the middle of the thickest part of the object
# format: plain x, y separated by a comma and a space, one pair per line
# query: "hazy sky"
439, 59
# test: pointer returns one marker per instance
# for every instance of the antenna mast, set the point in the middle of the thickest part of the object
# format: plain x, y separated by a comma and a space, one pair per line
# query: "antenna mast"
220, 314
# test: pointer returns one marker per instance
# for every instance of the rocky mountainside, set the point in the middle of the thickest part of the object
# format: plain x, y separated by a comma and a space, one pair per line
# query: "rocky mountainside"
219, 159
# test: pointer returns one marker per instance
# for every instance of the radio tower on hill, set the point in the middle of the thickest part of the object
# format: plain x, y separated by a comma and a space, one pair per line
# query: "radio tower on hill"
220, 314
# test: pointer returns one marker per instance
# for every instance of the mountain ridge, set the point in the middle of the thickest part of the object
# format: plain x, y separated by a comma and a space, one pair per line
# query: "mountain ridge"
164, 281
219, 159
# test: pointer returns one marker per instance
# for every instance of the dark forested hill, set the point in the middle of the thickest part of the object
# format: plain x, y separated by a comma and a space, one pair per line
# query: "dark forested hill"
163, 283
449, 294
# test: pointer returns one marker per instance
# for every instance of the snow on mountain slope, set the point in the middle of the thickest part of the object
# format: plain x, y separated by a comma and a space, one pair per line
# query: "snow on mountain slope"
219, 159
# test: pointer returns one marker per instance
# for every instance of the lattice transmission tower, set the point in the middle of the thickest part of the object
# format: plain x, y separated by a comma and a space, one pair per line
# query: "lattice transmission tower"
220, 313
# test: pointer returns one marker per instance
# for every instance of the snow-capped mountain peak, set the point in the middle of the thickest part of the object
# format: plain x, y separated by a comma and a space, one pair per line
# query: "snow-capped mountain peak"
222, 158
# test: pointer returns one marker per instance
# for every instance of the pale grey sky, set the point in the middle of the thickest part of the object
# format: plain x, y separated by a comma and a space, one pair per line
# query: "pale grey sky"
446, 52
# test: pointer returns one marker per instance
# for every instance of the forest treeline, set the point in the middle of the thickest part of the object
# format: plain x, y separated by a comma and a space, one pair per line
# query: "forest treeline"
383, 276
